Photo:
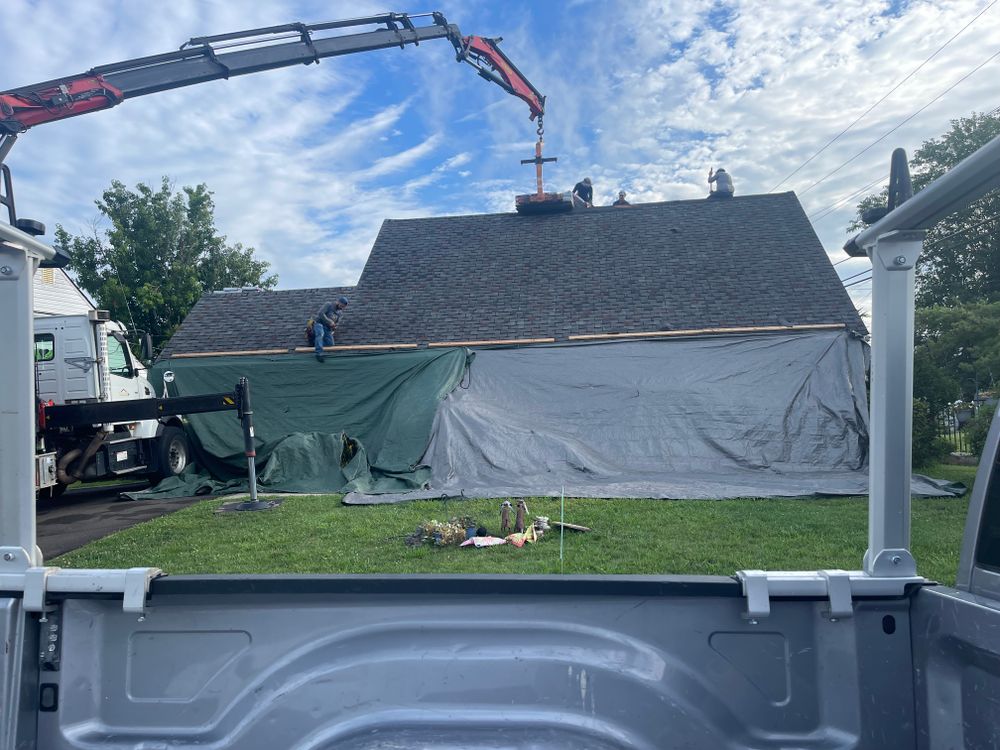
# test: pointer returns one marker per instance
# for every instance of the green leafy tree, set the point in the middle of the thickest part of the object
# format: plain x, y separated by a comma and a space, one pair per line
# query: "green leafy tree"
957, 351
160, 254
961, 258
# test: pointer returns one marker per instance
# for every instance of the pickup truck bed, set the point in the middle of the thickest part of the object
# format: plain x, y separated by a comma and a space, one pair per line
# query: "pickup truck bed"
502, 662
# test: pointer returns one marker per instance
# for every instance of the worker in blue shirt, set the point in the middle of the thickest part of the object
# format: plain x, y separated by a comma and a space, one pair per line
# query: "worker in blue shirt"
325, 324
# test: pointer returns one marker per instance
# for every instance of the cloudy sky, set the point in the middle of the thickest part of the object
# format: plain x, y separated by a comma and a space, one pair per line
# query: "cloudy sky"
306, 162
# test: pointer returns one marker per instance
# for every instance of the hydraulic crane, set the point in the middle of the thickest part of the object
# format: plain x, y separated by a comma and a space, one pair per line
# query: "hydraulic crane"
202, 59
210, 58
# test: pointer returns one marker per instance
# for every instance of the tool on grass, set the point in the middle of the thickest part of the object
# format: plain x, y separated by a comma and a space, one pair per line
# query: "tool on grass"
522, 514
571, 526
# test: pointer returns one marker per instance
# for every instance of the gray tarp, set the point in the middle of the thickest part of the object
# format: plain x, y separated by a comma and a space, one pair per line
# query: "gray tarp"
762, 415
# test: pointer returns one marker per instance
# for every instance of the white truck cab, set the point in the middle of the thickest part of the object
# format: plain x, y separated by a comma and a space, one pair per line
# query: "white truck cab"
68, 350
86, 359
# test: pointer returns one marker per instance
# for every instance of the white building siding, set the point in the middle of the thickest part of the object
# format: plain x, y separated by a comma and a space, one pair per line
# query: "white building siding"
55, 294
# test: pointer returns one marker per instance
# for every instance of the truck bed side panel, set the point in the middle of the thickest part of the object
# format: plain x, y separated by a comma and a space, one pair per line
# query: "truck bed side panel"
956, 654
451, 662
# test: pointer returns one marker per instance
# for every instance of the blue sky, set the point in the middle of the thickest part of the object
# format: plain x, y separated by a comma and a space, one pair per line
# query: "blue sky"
306, 162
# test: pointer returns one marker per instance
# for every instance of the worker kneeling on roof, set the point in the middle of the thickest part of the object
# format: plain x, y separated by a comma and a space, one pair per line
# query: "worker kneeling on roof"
325, 323
723, 184
583, 193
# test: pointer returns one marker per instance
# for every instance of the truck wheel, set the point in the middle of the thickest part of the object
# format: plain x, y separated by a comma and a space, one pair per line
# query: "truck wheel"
174, 453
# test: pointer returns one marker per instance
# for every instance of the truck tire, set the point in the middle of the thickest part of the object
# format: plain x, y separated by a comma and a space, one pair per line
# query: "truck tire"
173, 453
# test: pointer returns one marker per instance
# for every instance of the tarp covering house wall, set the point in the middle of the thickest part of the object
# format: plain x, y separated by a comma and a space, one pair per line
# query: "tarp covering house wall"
714, 417
385, 403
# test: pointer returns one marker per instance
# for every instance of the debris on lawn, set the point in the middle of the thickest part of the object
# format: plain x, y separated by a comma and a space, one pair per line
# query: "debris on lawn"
243, 506
483, 541
518, 539
522, 513
449, 533
465, 531
570, 526
505, 509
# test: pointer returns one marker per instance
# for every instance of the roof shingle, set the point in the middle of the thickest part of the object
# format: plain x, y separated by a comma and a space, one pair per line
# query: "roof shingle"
750, 261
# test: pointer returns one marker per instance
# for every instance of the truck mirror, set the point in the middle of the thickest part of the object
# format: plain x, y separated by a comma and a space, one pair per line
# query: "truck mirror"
147, 347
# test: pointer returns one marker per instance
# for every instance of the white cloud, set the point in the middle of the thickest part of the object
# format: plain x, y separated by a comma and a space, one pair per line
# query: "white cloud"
306, 162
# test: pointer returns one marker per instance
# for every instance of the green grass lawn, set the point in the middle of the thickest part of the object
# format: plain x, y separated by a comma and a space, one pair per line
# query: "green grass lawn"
320, 535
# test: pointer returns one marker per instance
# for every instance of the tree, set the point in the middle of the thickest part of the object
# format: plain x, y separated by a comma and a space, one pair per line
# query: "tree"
160, 254
961, 258
957, 352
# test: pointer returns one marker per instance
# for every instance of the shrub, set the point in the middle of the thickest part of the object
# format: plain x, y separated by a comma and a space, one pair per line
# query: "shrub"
927, 447
979, 427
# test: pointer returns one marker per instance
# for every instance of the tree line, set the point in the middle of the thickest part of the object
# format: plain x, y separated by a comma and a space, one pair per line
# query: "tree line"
957, 329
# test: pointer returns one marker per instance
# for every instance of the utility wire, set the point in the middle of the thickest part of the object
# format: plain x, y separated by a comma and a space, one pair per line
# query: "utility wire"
929, 244
962, 231
884, 97
839, 202
902, 123
855, 283
860, 273
864, 299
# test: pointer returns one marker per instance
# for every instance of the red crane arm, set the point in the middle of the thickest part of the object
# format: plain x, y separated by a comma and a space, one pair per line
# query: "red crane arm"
239, 53
485, 56
75, 96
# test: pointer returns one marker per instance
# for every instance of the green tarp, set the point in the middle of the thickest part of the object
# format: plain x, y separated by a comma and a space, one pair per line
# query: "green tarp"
356, 422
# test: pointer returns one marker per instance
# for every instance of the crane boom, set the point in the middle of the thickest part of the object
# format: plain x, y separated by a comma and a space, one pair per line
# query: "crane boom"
239, 53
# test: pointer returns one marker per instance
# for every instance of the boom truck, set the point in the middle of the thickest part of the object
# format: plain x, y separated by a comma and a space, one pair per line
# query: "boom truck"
98, 416
873, 658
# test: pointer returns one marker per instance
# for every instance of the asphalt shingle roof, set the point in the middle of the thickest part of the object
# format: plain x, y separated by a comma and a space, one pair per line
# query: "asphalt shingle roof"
750, 261
248, 320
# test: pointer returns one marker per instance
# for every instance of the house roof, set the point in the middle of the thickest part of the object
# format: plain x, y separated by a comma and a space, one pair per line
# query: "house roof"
750, 261
249, 319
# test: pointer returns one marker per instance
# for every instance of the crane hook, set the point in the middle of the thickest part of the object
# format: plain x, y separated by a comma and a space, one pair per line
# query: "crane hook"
541, 127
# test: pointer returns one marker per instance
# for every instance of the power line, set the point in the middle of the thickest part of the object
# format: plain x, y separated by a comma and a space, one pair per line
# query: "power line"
901, 124
829, 210
884, 97
961, 231
863, 300
929, 244
855, 283
859, 273
853, 257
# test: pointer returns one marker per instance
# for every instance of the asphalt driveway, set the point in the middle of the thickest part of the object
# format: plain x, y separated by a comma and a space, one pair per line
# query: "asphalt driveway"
88, 513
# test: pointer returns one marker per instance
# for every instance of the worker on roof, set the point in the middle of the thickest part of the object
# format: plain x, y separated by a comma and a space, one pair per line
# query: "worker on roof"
325, 323
621, 199
583, 193
723, 187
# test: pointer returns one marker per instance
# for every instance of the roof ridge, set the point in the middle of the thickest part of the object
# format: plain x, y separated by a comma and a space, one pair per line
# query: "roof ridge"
585, 212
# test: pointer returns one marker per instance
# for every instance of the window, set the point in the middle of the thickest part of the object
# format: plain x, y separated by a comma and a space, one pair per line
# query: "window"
117, 358
45, 347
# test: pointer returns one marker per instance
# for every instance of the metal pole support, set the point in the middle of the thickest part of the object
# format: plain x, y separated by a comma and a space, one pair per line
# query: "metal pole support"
894, 256
246, 419
18, 262
245, 413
